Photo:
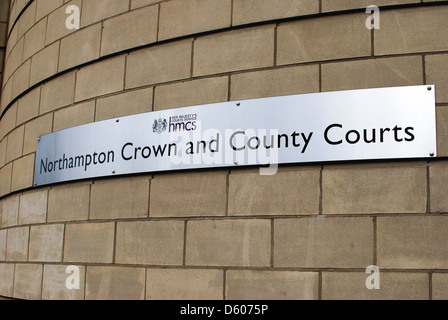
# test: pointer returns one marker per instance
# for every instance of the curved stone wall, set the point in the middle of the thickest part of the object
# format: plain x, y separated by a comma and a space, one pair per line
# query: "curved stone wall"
308, 232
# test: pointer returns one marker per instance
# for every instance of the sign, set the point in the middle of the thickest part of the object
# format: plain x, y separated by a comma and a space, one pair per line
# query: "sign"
386, 123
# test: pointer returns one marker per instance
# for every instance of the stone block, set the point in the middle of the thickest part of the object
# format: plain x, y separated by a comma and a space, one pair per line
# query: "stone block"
28, 281
275, 82
58, 93
393, 286
323, 242
46, 243
115, 283
326, 38
33, 207
154, 242
17, 244
197, 194
387, 188
100, 78
130, 30
271, 285
54, 283
434, 66
184, 284
229, 243
120, 198
372, 73
68, 203
89, 242
80, 47
74, 116
191, 93
234, 50
412, 242
159, 64
289, 191
96, 10
35, 129
249, 11
412, 30
186, 17
124, 104
23, 173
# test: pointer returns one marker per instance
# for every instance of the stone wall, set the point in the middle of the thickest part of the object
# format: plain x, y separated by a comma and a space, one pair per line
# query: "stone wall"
308, 232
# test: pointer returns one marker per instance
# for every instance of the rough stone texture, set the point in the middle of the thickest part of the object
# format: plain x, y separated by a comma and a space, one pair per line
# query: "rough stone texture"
323, 242
235, 50
393, 286
412, 242
308, 40
185, 17
201, 194
155, 242
412, 30
287, 192
247, 11
46, 243
118, 199
89, 242
271, 285
374, 189
54, 283
229, 243
115, 283
100, 78
68, 203
184, 284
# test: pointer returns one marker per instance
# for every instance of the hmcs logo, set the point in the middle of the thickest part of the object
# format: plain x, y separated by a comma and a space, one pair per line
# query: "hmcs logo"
159, 125
187, 122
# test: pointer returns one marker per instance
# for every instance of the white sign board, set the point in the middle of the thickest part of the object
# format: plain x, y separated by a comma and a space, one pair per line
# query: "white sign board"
387, 123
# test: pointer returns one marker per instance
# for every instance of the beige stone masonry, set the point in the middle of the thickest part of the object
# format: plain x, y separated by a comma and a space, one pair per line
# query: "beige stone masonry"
89, 242
323, 242
68, 203
17, 244
185, 17
374, 189
28, 281
247, 11
80, 47
412, 30
234, 50
439, 285
101, 78
184, 284
129, 103
276, 82
271, 285
197, 194
412, 242
33, 207
130, 30
229, 243
287, 192
115, 283
159, 64
393, 286
119, 199
7, 279
309, 40
46, 243
372, 73
54, 283
154, 242
191, 93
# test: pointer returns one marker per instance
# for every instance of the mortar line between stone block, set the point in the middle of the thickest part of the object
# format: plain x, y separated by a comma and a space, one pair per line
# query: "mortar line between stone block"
375, 238
430, 274
272, 243
428, 189
184, 254
224, 284
319, 285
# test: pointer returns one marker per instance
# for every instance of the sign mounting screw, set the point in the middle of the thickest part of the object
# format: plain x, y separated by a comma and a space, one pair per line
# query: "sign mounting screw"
429, 88
238, 104
431, 154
